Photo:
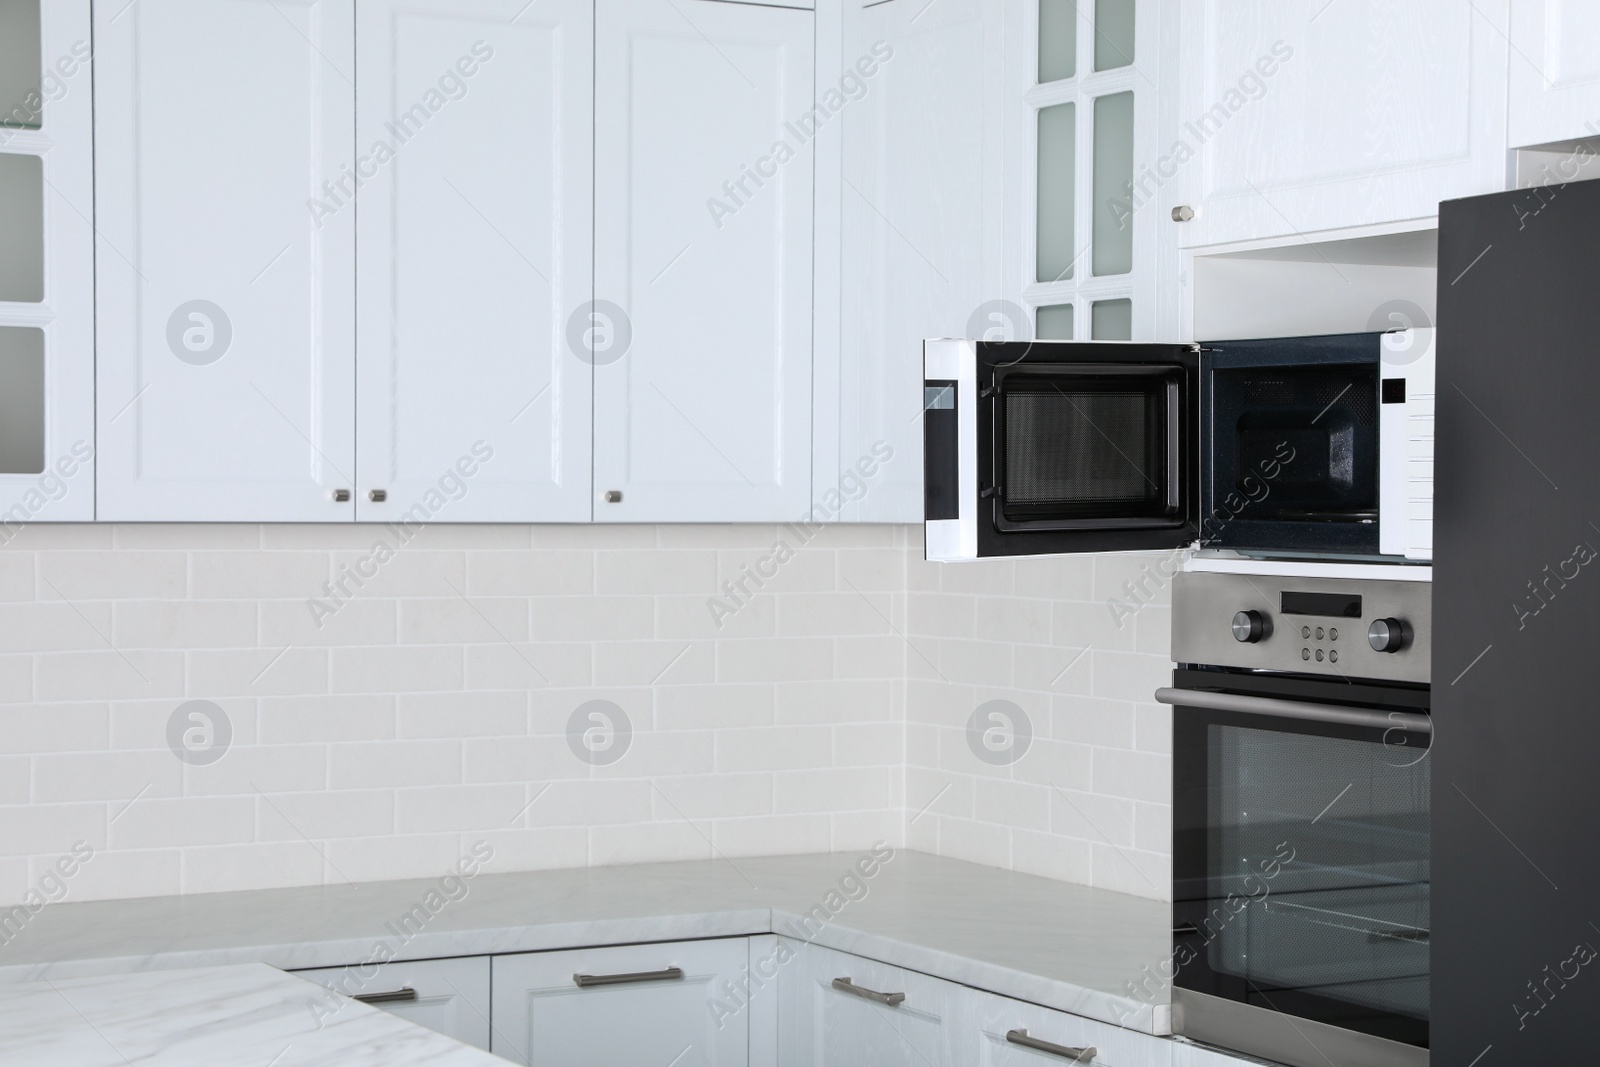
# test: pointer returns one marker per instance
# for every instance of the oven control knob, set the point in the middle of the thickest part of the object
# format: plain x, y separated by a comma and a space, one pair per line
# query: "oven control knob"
1250, 627
1387, 635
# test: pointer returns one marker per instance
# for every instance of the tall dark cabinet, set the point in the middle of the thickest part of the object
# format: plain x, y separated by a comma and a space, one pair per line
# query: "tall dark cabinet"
1516, 685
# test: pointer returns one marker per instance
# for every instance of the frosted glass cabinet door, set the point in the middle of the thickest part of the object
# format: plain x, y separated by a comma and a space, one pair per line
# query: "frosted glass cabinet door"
225, 267
703, 261
46, 264
1555, 71
475, 134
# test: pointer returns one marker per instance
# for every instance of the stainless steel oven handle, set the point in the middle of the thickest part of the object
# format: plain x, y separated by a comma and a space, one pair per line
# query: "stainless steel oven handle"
1298, 709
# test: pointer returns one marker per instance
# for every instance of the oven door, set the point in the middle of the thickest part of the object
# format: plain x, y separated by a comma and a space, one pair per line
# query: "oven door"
1301, 867
1041, 448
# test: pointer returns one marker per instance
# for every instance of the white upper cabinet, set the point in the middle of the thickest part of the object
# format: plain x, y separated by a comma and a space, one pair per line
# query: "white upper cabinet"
46, 264
703, 209
474, 123
225, 266
1555, 71
1305, 115
921, 210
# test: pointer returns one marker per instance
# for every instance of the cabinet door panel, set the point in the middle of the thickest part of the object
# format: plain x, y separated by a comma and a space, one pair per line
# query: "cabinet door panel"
225, 293
922, 235
1309, 116
452, 996
1555, 71
475, 123
544, 1018
988, 1019
703, 242
821, 1026
47, 262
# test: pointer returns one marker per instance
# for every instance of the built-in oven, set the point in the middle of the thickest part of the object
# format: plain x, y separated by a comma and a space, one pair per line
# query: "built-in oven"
1312, 446
1301, 733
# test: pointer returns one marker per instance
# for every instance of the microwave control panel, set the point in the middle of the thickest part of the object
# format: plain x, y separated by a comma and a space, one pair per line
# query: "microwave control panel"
1339, 627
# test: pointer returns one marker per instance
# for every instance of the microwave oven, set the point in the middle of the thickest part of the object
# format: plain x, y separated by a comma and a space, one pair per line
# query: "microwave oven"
1291, 447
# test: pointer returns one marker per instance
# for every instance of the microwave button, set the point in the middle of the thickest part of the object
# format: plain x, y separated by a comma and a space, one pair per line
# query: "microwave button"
1320, 633
1305, 653
1319, 655
1333, 634
1333, 656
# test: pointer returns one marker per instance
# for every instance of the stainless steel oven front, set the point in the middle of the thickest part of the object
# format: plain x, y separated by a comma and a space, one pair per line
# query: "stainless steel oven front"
1301, 733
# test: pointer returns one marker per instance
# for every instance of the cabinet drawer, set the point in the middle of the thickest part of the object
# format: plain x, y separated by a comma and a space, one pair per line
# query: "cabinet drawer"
997, 1024
450, 996
622, 1007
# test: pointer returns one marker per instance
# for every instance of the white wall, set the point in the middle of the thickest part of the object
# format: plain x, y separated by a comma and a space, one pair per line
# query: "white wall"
430, 709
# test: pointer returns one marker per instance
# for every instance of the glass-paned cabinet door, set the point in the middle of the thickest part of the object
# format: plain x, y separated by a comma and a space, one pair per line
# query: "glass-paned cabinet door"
46, 265
1086, 102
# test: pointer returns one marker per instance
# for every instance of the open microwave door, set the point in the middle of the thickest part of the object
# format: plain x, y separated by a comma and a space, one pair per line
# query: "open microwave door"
1035, 448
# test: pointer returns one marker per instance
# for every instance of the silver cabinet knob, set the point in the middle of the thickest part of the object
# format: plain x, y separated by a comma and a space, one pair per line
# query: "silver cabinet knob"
341, 496
613, 496
1182, 213
378, 496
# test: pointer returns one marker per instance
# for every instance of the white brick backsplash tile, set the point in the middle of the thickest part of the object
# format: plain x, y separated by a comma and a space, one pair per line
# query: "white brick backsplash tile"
299, 720
792, 659
1153, 728
463, 714
459, 807
380, 764
111, 575
528, 665
54, 626
16, 777
772, 835
361, 620
1076, 813
409, 668
699, 617
16, 576
1061, 578
1010, 618
968, 662
871, 657
441, 537
257, 672
50, 829
57, 538
976, 842
267, 575
142, 724
931, 793
520, 759
529, 574
665, 663
1130, 676
258, 866
860, 831
712, 796
685, 572
867, 744
1089, 721
322, 815
942, 615
1053, 669
250, 769
1152, 827
1135, 577
871, 570
807, 570
16, 679
55, 728
1153, 631
326, 537
702, 707
185, 823
1137, 775
648, 843
1126, 870
830, 790
539, 848
1076, 624
609, 618
184, 624
409, 572
1020, 805
120, 776
370, 859
1058, 764
107, 875
599, 537
463, 621
1053, 856
136, 674
780, 748
592, 803
166, 536
664, 752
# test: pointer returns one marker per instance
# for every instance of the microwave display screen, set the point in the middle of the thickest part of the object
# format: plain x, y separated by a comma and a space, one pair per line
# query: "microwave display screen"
1331, 605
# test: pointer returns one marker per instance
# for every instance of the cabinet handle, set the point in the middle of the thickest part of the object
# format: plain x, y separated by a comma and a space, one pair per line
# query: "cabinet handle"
397, 996
613, 496
1182, 213
341, 496
845, 985
668, 974
378, 496
1076, 1055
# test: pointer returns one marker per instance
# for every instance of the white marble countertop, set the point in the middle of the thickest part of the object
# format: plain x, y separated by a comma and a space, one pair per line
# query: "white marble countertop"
1069, 947
245, 1014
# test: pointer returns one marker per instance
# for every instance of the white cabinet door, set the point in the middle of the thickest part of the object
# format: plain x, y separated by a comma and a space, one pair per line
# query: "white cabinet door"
922, 244
997, 1031
1304, 115
821, 1025
638, 1006
1555, 71
450, 996
225, 265
703, 210
475, 131
46, 265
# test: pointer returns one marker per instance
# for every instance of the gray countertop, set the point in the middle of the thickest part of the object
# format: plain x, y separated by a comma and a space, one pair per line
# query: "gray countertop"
1081, 950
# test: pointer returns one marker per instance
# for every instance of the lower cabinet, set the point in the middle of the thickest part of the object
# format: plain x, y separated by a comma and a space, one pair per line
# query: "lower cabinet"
839, 1010
450, 996
629, 1006
997, 1031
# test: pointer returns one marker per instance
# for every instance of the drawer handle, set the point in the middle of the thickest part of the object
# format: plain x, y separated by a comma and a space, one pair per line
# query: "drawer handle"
668, 974
398, 996
1076, 1055
844, 985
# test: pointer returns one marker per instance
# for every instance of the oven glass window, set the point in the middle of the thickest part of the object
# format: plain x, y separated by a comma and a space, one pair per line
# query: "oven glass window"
1327, 839
1299, 442
1077, 447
